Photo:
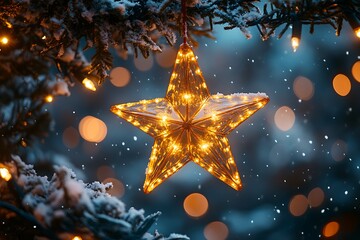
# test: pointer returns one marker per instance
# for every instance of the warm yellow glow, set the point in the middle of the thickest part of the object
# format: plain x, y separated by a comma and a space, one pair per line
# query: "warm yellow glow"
187, 96
295, 42
298, 205
4, 40
204, 146
196, 205
77, 238
43, 37
192, 127
164, 118
89, 84
216, 231
341, 85
355, 70
5, 174
49, 98
92, 129
9, 25
331, 229
357, 32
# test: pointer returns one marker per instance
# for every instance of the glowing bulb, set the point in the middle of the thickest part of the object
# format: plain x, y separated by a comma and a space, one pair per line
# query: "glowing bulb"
49, 98
9, 25
89, 84
175, 147
204, 146
77, 238
295, 42
357, 32
187, 96
5, 174
4, 40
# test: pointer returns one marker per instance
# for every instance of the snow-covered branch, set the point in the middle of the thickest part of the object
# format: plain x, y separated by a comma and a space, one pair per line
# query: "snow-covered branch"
64, 207
60, 30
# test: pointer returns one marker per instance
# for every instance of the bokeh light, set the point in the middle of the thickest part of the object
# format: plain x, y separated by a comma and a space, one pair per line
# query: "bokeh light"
341, 84
77, 238
303, 88
195, 205
216, 231
356, 71
120, 76
143, 64
166, 58
92, 129
5, 174
338, 150
284, 118
71, 137
104, 172
316, 197
298, 205
49, 98
118, 188
330, 229
4, 40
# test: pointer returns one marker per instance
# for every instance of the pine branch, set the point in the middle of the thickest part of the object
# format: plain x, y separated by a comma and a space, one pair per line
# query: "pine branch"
65, 205
50, 29
28, 218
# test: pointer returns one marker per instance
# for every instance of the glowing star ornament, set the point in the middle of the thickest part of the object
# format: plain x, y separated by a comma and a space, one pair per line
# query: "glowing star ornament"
190, 125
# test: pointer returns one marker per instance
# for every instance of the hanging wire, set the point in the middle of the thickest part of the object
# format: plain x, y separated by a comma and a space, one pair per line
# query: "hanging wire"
184, 18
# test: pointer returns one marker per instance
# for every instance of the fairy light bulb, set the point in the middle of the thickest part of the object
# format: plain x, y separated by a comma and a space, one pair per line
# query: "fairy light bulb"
89, 84
4, 40
8, 24
49, 98
295, 43
353, 21
357, 32
5, 174
296, 35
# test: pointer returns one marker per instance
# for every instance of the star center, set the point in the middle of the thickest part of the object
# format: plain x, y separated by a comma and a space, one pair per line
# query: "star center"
187, 125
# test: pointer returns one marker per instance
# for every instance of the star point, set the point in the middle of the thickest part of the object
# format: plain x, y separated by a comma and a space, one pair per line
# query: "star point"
189, 124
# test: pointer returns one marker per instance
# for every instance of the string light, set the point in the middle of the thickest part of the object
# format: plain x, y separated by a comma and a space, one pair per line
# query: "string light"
353, 21
49, 98
296, 35
357, 32
192, 127
89, 84
5, 174
4, 40
8, 24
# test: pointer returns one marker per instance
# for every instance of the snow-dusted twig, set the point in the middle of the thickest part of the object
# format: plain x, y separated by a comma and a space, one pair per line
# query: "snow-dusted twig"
64, 205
